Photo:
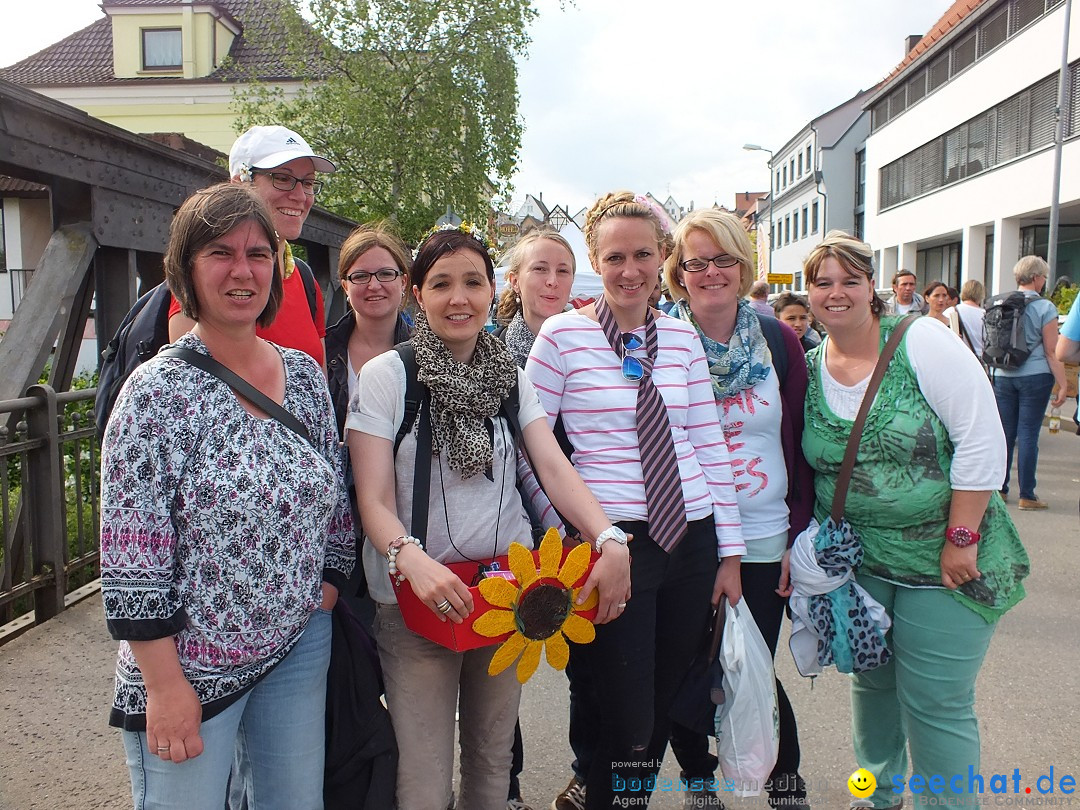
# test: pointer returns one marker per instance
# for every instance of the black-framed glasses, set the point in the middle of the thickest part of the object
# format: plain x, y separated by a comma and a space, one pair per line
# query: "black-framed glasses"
286, 182
697, 265
632, 370
385, 275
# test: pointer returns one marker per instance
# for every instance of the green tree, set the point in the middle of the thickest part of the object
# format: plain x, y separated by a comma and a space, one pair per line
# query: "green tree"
415, 100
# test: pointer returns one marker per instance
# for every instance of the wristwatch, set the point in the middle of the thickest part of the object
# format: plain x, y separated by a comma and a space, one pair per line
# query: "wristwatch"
610, 533
961, 536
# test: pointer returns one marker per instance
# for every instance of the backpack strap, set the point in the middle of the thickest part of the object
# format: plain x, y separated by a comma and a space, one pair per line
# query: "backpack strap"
418, 403
310, 286
770, 328
241, 387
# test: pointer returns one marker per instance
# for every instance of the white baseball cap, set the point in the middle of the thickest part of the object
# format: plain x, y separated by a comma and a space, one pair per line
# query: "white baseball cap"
269, 147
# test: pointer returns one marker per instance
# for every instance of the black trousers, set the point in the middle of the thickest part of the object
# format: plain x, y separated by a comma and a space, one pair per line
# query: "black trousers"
638, 661
785, 787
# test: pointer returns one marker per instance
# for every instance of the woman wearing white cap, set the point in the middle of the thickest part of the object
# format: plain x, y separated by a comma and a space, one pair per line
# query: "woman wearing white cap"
282, 169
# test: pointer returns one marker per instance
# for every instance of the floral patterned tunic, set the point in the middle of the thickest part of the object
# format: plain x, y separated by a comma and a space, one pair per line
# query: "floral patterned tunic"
217, 526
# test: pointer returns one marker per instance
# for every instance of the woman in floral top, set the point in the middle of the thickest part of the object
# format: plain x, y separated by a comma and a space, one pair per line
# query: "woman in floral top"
223, 535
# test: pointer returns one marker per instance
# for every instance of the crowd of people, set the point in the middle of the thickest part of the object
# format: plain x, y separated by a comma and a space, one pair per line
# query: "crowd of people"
266, 473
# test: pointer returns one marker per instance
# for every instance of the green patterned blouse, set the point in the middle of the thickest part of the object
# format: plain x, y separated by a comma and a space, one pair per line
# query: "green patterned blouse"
900, 492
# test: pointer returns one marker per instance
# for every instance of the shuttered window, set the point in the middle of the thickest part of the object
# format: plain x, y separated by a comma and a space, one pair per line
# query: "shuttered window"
963, 53
994, 31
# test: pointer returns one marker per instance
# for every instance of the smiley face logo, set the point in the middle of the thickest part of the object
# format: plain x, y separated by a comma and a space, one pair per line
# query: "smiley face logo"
862, 783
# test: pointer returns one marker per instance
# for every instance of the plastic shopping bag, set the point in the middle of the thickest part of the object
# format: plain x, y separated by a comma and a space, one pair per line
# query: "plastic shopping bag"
747, 723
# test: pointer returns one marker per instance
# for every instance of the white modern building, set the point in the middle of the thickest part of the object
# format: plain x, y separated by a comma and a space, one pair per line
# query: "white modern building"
816, 187
959, 160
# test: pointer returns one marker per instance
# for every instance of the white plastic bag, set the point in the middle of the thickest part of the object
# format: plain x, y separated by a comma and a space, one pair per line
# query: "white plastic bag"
747, 723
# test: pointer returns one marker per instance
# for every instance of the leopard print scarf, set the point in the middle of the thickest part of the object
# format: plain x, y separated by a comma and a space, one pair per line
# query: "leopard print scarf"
463, 395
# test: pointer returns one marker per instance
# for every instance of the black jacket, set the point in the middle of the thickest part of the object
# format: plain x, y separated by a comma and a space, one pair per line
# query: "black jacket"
337, 363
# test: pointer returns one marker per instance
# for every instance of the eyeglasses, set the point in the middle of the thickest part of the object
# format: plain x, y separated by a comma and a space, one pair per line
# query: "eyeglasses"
632, 370
385, 275
697, 265
286, 182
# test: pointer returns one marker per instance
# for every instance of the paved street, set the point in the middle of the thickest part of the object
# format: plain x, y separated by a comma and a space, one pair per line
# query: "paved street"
55, 682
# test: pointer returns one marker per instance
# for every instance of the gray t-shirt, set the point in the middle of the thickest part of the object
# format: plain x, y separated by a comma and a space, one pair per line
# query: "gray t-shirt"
480, 517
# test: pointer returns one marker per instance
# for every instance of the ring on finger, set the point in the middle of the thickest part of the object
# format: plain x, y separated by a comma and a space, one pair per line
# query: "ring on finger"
444, 606
622, 606
163, 749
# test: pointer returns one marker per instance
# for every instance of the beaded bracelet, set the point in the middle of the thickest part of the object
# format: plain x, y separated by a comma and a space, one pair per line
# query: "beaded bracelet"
392, 552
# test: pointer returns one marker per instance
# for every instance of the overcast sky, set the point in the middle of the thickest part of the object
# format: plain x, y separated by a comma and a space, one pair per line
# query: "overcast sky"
650, 95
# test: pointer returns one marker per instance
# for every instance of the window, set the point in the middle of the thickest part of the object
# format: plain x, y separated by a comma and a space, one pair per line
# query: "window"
800, 164
1013, 128
804, 222
963, 53
938, 72
814, 217
785, 176
787, 230
161, 49
994, 31
809, 160
791, 170
897, 102
916, 87
1023, 13
860, 177
778, 180
795, 225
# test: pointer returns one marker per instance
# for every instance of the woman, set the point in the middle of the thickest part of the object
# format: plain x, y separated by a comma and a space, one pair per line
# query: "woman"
794, 310
709, 272
282, 169
224, 535
373, 273
936, 295
1023, 393
939, 551
634, 394
472, 516
539, 277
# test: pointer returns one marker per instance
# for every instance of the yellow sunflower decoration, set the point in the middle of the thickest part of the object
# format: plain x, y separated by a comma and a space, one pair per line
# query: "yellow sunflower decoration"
539, 609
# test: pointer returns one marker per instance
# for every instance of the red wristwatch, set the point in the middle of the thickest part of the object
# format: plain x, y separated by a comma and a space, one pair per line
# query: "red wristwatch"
961, 536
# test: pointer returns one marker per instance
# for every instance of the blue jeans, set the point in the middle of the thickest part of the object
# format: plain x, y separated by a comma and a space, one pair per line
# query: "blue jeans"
1022, 404
279, 728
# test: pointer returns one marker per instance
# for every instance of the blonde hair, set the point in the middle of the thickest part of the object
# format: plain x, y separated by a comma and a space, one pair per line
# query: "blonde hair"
614, 205
509, 301
722, 227
854, 255
973, 290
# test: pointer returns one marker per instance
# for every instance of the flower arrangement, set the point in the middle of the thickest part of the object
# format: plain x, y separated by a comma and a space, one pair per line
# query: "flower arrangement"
470, 228
539, 608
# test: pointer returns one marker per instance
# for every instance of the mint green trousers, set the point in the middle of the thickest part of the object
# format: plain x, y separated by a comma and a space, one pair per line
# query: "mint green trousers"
924, 698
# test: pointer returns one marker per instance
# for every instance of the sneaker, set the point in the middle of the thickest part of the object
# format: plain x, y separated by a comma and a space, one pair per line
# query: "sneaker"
1032, 504
518, 804
573, 798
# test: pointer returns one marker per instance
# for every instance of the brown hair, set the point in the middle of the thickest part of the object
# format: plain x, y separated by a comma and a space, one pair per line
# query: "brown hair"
203, 217
854, 255
789, 299
509, 301
372, 235
614, 205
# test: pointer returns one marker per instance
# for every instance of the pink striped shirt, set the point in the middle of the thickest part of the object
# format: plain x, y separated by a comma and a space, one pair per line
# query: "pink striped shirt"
577, 374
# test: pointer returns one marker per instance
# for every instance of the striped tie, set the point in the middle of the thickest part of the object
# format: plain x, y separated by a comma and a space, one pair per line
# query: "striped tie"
659, 465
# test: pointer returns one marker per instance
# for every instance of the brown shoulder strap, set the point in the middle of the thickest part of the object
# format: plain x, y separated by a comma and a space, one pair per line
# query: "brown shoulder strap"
847, 467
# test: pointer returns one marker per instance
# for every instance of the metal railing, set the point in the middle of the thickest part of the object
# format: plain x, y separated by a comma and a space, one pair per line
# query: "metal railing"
48, 504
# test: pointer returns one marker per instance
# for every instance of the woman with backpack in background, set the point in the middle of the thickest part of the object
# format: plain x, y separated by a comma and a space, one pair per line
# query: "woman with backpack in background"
283, 170
473, 513
1023, 392
757, 369
632, 387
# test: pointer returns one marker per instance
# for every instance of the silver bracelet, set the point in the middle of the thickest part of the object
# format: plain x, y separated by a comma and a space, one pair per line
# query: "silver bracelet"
392, 552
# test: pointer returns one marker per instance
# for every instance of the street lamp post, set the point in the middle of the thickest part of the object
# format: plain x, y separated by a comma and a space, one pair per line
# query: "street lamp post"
753, 147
